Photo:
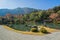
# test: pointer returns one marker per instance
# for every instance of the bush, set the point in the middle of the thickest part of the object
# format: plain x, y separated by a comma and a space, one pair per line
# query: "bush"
34, 30
26, 25
10, 25
43, 30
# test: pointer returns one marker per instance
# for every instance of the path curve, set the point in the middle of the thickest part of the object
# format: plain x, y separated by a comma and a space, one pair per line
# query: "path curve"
10, 35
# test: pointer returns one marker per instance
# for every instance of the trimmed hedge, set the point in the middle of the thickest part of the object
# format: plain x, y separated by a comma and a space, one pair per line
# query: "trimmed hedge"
43, 30
34, 30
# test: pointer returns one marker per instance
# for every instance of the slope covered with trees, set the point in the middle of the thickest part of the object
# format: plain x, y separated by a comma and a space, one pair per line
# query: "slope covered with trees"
44, 17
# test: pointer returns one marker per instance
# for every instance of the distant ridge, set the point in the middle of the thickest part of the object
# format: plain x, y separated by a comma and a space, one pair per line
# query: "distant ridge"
17, 11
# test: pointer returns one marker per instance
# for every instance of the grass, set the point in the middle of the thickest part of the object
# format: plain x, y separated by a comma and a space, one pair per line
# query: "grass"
20, 27
51, 29
32, 33
23, 32
27, 27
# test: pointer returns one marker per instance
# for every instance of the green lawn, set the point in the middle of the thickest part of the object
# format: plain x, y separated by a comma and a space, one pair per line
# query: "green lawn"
24, 27
21, 27
57, 26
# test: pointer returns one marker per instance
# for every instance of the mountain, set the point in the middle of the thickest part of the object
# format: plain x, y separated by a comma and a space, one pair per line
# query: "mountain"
16, 11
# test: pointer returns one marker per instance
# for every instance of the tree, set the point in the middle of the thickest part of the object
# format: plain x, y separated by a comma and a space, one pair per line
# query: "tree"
56, 8
49, 11
36, 15
58, 12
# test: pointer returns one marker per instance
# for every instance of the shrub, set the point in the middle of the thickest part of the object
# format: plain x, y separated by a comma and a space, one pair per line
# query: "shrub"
34, 30
43, 30
26, 25
10, 25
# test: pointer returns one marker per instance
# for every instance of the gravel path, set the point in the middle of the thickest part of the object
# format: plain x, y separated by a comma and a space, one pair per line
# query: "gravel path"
10, 35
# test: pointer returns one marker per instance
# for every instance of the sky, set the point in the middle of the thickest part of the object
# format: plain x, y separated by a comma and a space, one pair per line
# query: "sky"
37, 4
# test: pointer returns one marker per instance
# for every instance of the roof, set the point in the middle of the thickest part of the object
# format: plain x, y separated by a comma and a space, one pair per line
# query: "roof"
53, 15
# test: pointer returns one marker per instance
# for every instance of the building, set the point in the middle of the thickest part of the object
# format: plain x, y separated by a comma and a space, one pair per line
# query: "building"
55, 16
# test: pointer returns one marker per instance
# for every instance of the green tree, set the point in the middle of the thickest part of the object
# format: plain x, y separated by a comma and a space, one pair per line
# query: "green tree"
58, 12
56, 8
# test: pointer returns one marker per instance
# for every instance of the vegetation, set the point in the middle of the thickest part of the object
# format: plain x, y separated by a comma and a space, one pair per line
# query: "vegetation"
34, 30
43, 30
35, 18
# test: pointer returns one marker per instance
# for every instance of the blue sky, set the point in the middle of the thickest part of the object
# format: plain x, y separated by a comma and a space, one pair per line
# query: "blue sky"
38, 4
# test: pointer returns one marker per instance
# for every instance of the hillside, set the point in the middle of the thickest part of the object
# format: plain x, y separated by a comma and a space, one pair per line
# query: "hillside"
16, 11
